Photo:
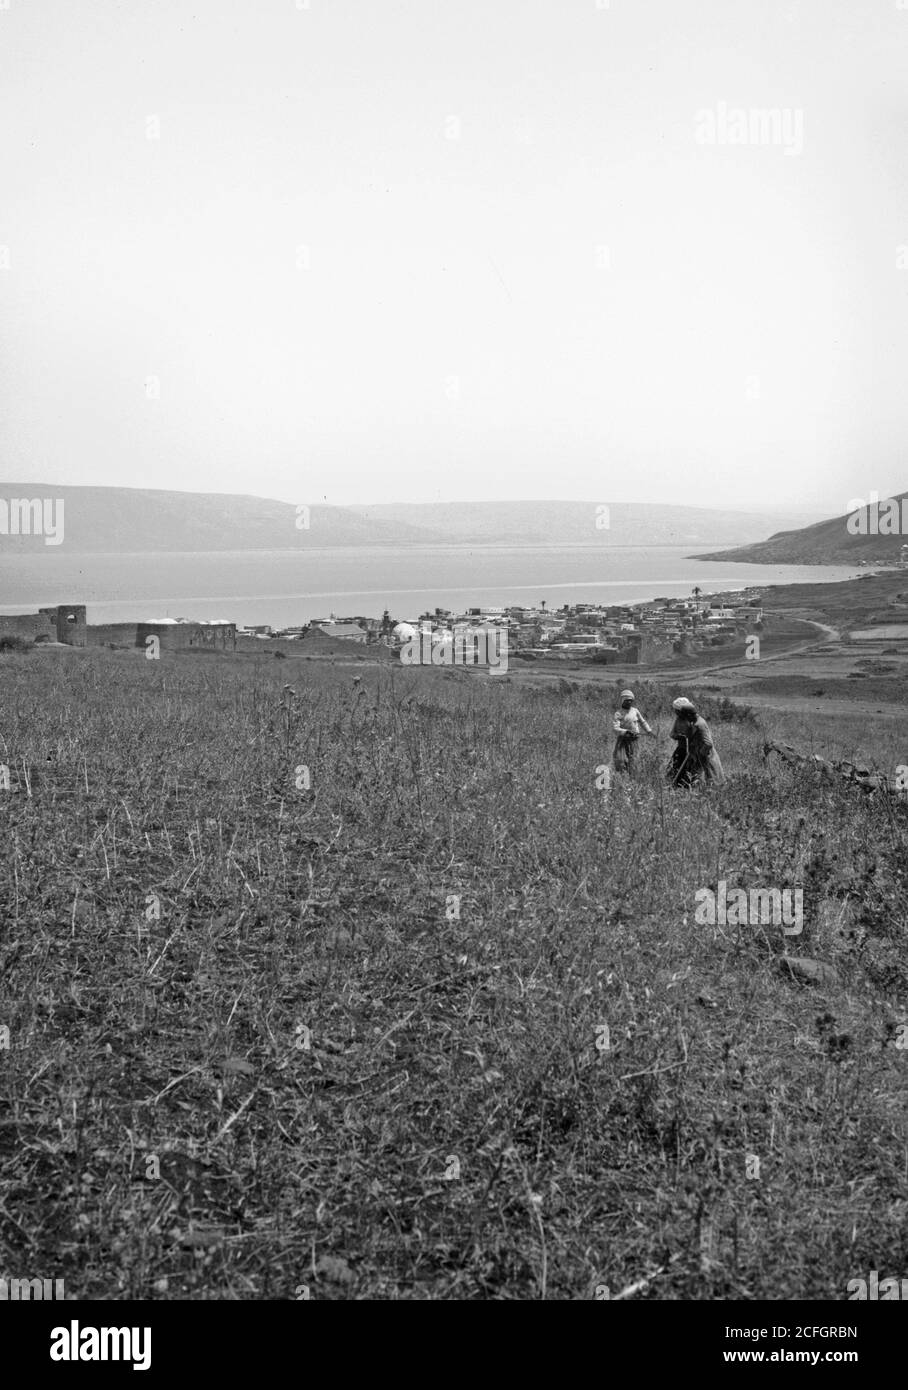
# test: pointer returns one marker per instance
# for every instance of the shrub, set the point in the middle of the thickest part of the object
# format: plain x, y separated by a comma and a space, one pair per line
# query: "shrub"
725, 711
9, 642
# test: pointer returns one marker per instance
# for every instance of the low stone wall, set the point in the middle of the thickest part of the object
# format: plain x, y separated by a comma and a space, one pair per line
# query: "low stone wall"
172, 636
19, 625
114, 635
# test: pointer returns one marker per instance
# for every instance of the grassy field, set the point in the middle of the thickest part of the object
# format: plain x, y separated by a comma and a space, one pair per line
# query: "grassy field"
441, 1023
879, 597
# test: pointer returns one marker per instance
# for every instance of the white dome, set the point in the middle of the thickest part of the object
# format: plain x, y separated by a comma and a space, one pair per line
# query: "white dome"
405, 631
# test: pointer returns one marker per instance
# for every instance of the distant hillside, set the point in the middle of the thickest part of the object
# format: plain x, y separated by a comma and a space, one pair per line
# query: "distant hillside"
825, 543
574, 523
132, 520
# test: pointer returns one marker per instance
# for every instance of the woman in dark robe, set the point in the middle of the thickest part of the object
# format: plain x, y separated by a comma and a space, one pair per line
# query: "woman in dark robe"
695, 757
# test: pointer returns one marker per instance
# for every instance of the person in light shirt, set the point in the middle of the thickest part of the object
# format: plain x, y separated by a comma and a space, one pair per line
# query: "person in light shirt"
627, 724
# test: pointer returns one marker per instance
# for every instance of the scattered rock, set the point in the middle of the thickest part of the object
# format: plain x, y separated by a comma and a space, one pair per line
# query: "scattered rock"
810, 972
234, 1066
202, 1239
333, 1267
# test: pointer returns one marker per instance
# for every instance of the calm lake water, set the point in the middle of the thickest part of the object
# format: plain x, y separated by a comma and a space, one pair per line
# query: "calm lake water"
285, 587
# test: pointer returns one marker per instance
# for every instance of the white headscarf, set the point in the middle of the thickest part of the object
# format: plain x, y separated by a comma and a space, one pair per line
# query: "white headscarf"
681, 703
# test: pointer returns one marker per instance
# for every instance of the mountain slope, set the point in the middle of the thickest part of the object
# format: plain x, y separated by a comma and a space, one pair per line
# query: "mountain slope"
828, 542
135, 520
575, 523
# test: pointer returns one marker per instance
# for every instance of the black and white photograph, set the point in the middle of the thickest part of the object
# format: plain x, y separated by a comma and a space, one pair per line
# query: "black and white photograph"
454, 668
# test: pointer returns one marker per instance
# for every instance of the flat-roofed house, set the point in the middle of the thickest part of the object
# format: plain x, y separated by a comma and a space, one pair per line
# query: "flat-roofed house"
348, 632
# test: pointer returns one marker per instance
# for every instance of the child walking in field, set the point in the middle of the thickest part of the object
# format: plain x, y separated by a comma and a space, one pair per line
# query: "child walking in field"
627, 723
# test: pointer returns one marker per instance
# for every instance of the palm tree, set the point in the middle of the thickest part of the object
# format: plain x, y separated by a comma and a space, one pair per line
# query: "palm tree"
542, 604
697, 592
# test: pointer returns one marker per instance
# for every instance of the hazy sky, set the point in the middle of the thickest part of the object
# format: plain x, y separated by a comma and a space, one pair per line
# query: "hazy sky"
441, 249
